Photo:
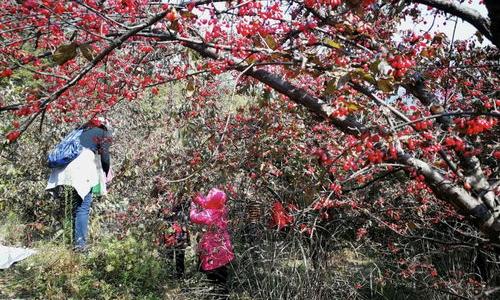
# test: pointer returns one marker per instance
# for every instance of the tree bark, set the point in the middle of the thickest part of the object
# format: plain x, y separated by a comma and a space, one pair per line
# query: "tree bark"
485, 218
493, 7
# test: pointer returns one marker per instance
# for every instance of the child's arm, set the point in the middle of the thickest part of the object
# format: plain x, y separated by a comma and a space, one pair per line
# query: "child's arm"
205, 217
200, 200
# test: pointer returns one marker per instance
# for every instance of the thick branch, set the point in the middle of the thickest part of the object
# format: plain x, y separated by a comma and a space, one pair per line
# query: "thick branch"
482, 24
493, 7
296, 94
476, 178
457, 196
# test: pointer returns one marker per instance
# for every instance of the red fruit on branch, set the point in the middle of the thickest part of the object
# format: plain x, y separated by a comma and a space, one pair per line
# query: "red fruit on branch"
6, 73
13, 135
496, 155
171, 16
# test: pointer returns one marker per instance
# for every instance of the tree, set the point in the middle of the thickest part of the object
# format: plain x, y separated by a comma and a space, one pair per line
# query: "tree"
425, 104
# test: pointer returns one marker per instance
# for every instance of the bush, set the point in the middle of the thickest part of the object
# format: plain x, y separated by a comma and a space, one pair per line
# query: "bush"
125, 269
129, 263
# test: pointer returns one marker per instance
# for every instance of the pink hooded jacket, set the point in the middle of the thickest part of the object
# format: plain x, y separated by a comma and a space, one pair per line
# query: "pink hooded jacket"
215, 247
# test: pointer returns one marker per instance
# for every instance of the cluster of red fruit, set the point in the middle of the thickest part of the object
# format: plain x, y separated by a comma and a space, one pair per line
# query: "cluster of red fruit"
6, 73
401, 64
317, 3
13, 135
322, 156
455, 143
171, 16
249, 8
475, 126
375, 156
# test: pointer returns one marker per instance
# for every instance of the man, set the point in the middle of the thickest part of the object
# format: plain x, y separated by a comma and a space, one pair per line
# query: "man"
84, 173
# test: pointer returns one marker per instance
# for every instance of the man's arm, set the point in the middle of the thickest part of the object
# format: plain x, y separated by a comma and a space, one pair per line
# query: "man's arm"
104, 151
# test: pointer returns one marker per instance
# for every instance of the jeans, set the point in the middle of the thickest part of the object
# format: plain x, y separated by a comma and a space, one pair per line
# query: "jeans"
82, 220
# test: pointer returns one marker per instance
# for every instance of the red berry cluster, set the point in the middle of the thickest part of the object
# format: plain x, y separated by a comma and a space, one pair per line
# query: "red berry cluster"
322, 155
6, 73
475, 126
455, 143
401, 64
317, 3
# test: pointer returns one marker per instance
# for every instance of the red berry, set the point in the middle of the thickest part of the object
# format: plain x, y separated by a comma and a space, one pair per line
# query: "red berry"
171, 16
13, 135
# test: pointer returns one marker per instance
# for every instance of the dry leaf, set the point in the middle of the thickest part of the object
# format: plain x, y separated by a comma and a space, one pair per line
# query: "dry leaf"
65, 53
271, 42
86, 51
385, 85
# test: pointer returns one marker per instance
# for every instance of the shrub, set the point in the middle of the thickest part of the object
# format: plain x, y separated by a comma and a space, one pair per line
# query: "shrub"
125, 269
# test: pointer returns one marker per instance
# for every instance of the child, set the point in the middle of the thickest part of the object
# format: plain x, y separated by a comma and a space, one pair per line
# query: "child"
215, 249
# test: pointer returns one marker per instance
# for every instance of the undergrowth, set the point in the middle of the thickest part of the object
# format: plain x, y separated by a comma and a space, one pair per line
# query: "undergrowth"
126, 269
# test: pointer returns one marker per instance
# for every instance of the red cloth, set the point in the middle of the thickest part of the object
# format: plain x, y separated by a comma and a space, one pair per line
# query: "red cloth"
215, 248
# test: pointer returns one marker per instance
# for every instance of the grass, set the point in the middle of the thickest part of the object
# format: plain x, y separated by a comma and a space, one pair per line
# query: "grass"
112, 269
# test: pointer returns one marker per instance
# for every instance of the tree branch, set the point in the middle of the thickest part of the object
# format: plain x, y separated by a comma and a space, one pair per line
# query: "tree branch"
493, 7
449, 192
475, 177
296, 94
113, 45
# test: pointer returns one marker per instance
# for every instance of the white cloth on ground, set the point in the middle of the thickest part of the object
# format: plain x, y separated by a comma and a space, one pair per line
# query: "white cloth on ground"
82, 173
10, 255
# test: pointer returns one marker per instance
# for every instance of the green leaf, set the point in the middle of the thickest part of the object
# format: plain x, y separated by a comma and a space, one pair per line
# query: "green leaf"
175, 25
188, 15
64, 53
332, 44
374, 66
190, 88
271, 42
369, 78
343, 80
352, 106
250, 60
361, 74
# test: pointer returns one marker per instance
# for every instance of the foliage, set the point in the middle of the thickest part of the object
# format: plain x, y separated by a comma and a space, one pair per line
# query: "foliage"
366, 242
390, 93
114, 269
369, 140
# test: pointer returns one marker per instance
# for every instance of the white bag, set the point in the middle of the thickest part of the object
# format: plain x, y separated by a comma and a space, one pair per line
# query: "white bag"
100, 188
